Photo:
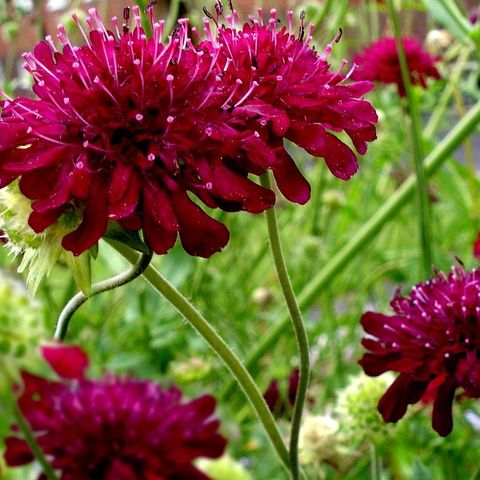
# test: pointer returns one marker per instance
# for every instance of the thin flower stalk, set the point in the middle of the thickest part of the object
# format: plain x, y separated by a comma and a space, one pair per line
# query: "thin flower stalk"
417, 147
298, 327
80, 298
218, 345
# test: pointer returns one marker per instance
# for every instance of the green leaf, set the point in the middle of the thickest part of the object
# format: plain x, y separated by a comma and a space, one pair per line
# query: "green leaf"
131, 239
448, 14
81, 270
420, 471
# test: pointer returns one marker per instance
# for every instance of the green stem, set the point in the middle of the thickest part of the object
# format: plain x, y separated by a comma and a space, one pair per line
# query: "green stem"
298, 326
417, 147
322, 14
80, 298
172, 17
365, 234
218, 345
32, 443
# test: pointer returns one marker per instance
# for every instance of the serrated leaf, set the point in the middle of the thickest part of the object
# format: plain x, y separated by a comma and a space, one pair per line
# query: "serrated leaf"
131, 239
81, 270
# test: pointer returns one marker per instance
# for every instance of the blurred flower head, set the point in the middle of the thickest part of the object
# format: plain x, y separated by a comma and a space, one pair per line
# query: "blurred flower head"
320, 440
432, 339
113, 428
380, 62
281, 403
356, 404
21, 325
125, 128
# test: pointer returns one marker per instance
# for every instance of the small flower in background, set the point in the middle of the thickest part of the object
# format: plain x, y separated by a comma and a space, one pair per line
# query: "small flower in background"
279, 403
125, 127
225, 468
113, 428
21, 326
320, 440
432, 340
355, 407
438, 41
379, 62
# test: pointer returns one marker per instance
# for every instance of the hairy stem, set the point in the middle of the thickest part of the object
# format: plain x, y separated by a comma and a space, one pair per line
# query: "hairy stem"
365, 234
80, 298
218, 345
298, 327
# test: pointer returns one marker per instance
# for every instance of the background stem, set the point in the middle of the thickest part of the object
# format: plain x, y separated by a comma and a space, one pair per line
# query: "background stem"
415, 126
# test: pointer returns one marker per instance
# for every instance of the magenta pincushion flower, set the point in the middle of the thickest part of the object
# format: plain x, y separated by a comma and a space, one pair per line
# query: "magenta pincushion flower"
379, 62
294, 95
126, 128
432, 340
113, 429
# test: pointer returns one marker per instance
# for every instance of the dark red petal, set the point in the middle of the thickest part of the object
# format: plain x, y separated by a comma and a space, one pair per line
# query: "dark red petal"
39, 221
290, 181
159, 239
200, 234
95, 220
17, 452
442, 421
67, 361
402, 392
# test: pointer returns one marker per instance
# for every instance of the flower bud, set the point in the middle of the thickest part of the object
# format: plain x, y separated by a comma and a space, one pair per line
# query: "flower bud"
190, 370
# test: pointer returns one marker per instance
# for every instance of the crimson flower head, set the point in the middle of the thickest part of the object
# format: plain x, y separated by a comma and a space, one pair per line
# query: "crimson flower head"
126, 129
380, 62
433, 340
113, 429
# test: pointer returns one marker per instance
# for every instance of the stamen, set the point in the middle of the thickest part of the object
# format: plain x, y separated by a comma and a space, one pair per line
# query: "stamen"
247, 94
238, 82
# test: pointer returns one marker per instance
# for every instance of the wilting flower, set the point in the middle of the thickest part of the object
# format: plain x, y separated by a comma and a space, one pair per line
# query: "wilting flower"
380, 62
432, 340
113, 428
125, 127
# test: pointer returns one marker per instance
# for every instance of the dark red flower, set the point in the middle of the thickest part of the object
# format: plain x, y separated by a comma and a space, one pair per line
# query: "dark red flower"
292, 94
113, 429
379, 62
126, 127
433, 340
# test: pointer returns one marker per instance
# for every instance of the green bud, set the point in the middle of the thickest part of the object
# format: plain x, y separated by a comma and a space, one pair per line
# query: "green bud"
190, 370
223, 468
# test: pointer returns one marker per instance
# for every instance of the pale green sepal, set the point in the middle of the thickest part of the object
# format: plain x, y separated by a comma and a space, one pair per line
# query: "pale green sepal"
131, 239
81, 270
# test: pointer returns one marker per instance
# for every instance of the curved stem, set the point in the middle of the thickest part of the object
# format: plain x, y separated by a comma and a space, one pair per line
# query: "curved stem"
218, 345
32, 443
364, 235
80, 298
417, 146
298, 326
